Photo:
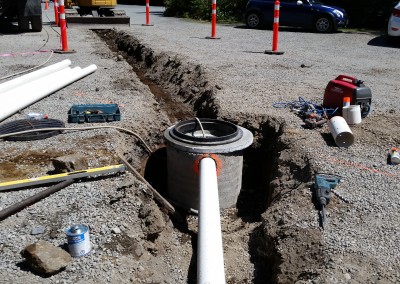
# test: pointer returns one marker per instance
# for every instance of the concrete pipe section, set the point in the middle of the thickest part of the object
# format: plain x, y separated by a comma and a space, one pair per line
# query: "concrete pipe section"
188, 142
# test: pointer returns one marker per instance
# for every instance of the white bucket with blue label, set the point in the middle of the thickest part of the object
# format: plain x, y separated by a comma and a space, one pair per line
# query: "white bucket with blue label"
78, 240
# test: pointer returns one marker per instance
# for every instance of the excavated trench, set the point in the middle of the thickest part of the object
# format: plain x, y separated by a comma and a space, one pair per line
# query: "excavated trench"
271, 172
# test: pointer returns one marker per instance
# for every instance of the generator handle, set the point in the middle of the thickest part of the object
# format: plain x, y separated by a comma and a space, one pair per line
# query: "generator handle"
347, 78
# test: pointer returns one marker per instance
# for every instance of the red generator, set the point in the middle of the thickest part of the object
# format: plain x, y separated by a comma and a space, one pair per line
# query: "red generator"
347, 86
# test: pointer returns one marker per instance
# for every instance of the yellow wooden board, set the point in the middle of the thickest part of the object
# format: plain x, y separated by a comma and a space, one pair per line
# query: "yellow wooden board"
61, 177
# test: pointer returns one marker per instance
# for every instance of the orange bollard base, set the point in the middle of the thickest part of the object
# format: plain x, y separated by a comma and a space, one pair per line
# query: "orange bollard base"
60, 51
212, 37
274, 52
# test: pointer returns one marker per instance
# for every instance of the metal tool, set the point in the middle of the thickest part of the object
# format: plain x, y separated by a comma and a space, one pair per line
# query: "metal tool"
323, 187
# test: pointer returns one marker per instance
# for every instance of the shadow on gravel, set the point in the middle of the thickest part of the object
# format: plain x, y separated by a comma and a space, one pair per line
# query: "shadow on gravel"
284, 29
8, 28
157, 13
141, 2
328, 139
246, 51
384, 41
24, 266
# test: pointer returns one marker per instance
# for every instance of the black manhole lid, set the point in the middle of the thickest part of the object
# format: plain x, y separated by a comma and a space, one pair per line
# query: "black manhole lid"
207, 132
28, 124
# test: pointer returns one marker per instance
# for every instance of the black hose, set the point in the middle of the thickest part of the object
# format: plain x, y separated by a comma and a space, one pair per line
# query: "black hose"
31, 124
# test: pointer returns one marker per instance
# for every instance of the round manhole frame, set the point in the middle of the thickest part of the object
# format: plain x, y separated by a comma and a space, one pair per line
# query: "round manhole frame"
228, 131
238, 139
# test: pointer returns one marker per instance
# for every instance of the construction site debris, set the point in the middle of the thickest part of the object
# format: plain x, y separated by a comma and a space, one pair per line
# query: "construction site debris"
36, 116
44, 257
116, 230
38, 230
314, 115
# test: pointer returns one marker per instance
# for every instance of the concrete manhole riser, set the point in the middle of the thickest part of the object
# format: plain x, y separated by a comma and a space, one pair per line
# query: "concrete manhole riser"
223, 141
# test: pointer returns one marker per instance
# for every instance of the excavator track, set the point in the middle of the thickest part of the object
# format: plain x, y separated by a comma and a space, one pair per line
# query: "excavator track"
77, 19
95, 15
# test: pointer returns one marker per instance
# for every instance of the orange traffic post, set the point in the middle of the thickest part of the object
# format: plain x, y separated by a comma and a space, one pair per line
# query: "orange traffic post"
56, 18
213, 20
46, 5
147, 14
275, 31
63, 28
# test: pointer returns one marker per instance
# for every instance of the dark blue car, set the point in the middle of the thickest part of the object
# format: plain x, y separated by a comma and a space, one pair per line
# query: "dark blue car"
308, 14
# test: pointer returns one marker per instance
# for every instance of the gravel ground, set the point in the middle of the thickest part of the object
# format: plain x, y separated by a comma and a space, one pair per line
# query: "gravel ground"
360, 242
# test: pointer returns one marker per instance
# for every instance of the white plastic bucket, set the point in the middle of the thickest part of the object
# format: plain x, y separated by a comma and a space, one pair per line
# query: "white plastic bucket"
352, 114
341, 131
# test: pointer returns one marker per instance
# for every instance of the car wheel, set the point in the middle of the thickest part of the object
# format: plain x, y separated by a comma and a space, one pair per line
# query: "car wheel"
323, 24
23, 24
36, 23
253, 20
392, 39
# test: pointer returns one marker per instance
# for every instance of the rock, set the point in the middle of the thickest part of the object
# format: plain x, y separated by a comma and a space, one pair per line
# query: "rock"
137, 250
347, 276
116, 230
70, 163
46, 258
38, 230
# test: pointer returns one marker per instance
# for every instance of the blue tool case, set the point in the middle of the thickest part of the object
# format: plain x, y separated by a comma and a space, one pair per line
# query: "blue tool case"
94, 113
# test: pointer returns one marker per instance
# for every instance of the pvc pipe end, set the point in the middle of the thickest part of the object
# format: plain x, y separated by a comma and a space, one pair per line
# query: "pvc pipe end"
341, 131
344, 139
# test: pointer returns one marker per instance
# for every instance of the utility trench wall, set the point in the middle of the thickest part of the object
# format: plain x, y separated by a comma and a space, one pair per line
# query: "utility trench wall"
275, 169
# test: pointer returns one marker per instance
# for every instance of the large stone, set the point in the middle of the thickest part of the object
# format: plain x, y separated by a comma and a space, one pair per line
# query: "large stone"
70, 163
46, 258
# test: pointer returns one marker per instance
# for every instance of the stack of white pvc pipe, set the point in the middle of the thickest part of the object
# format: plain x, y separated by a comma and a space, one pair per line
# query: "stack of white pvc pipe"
23, 91
210, 258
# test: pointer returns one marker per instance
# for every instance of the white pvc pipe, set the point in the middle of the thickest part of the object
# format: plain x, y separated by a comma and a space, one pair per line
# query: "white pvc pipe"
27, 94
341, 131
34, 75
210, 258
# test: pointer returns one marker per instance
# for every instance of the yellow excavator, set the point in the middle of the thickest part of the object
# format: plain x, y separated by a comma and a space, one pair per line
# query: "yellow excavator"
101, 11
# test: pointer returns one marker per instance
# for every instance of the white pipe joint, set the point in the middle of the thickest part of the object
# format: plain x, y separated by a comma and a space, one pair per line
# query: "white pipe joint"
34, 75
210, 259
23, 96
